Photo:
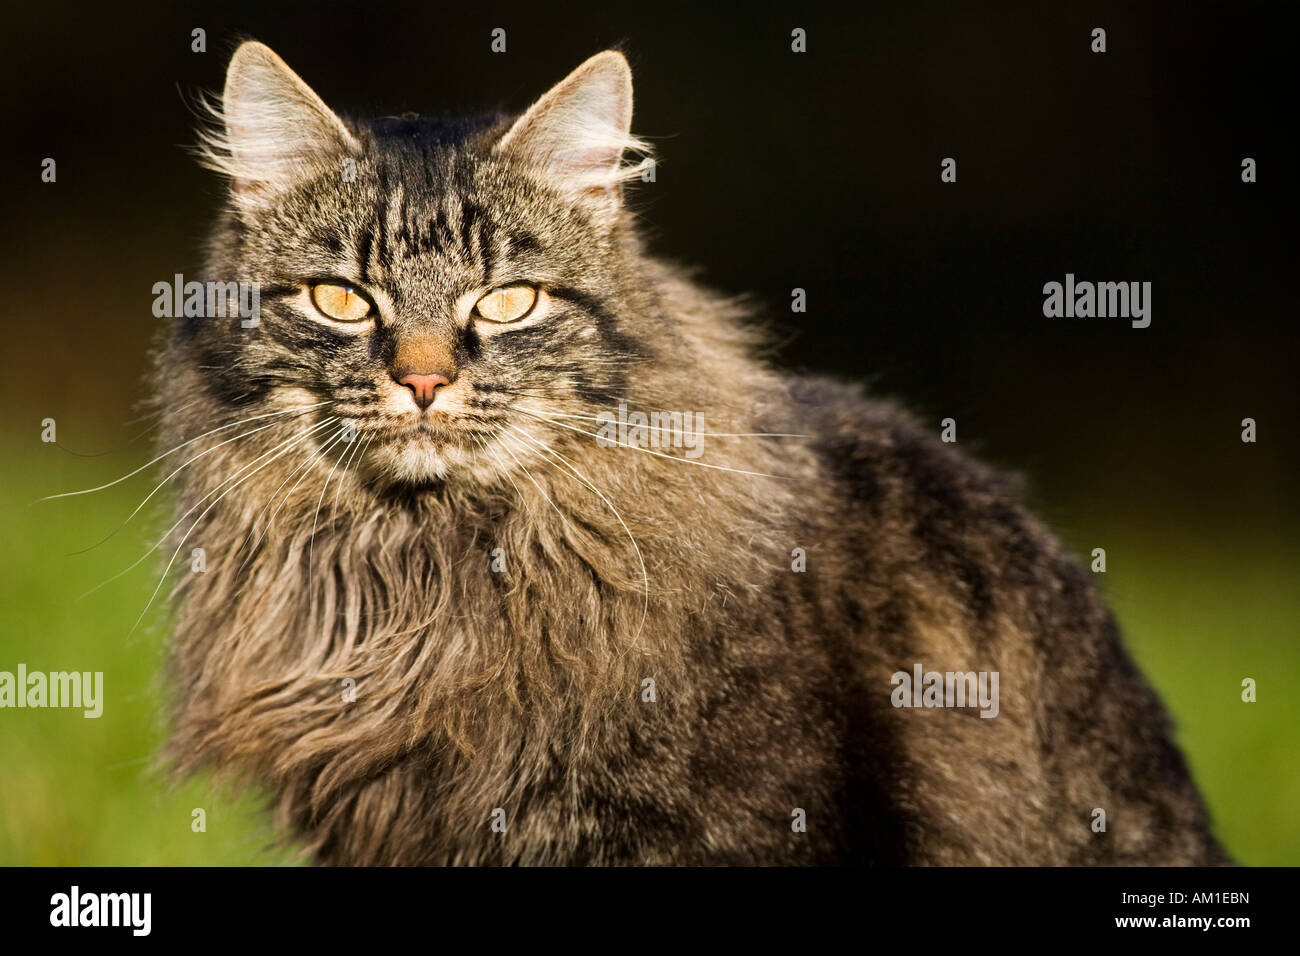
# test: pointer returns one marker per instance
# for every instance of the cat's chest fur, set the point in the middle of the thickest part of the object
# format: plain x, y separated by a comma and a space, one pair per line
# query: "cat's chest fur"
479, 681
492, 635
536, 676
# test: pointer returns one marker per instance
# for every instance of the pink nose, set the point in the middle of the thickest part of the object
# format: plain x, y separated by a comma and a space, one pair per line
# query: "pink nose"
423, 386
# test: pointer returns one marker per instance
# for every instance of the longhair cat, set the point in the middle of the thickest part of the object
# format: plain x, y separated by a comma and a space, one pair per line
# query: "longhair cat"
471, 598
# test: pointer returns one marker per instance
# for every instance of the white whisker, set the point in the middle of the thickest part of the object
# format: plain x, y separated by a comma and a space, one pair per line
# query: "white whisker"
290, 442
311, 544
506, 449
670, 431
645, 577
160, 484
358, 450
657, 454
269, 501
506, 471
245, 421
191, 528
305, 468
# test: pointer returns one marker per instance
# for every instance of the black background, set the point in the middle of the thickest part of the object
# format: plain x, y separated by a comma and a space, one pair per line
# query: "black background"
779, 170
326, 908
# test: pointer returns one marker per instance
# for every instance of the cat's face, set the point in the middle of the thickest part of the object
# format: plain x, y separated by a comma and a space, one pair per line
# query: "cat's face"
433, 287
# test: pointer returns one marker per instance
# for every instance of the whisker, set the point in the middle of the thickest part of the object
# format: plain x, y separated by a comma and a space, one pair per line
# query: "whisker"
311, 544
645, 577
671, 431
506, 471
275, 494
160, 484
305, 469
685, 461
186, 536
86, 491
501, 434
358, 450
168, 532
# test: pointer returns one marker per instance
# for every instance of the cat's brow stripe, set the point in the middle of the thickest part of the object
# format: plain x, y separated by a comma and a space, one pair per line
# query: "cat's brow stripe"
520, 243
468, 218
379, 231
365, 243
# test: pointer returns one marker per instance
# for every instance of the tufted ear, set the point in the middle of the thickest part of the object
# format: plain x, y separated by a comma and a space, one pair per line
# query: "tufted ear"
575, 136
276, 129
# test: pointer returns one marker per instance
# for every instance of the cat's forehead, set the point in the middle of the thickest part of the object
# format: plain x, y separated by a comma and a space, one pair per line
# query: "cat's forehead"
450, 208
425, 220
446, 204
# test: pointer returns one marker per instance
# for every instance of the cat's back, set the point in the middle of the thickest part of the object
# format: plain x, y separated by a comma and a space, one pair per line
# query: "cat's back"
913, 498
936, 566
938, 538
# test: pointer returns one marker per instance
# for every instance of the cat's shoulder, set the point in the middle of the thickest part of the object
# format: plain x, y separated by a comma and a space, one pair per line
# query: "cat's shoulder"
876, 447
902, 495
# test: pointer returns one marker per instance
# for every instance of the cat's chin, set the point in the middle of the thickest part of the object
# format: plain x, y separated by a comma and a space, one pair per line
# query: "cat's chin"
420, 459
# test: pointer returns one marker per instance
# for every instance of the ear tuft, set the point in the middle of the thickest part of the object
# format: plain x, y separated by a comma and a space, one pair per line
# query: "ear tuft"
578, 133
271, 128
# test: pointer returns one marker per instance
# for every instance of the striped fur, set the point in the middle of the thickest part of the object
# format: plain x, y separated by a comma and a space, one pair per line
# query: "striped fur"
518, 694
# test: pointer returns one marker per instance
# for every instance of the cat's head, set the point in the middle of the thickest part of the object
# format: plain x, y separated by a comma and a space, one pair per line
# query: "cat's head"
424, 280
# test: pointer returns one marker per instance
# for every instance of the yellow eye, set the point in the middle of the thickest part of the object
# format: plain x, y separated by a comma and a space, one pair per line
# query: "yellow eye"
340, 302
510, 303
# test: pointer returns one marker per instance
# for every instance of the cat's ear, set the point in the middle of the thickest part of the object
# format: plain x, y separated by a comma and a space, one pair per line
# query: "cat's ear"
576, 135
276, 129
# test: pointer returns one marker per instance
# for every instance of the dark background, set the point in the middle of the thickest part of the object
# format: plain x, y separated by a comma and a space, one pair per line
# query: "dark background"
778, 170
782, 170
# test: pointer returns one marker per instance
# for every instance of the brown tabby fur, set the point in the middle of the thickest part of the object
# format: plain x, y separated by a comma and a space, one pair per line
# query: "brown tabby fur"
523, 690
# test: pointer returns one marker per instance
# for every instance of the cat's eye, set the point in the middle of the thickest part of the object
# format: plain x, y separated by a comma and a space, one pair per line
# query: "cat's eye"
509, 303
340, 302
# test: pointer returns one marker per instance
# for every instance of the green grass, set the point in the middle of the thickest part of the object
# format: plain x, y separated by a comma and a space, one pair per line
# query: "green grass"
79, 791
1200, 614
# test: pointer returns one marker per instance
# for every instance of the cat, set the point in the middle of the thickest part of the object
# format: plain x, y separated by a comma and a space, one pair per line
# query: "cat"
447, 619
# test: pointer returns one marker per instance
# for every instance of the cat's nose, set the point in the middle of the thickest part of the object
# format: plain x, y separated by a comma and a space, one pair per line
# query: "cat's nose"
424, 385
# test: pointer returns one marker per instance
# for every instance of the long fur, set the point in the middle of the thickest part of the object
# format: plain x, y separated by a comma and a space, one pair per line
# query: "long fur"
518, 693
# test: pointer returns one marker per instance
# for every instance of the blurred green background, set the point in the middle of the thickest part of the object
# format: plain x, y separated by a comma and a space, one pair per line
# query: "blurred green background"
818, 172
1202, 606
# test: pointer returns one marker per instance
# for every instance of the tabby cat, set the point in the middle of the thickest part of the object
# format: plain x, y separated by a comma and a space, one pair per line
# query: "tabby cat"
451, 615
